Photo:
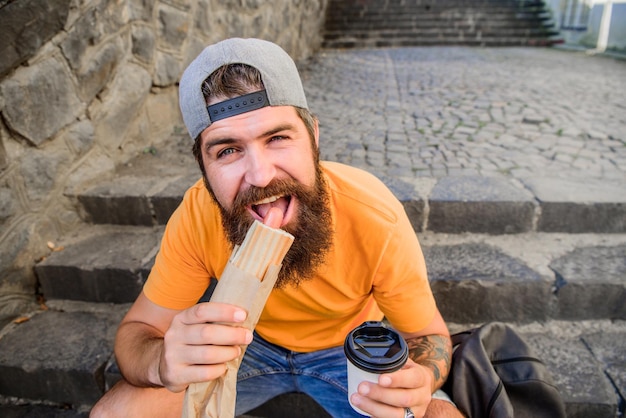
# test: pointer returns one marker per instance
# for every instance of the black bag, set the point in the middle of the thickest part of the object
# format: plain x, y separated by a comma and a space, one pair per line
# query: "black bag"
495, 375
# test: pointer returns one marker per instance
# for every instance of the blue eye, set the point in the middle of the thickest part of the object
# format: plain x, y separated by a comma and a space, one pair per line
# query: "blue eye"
225, 152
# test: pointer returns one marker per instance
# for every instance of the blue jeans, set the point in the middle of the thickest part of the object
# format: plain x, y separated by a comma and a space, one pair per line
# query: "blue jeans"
268, 370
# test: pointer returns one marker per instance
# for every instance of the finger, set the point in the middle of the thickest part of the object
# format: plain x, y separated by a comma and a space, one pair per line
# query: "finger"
374, 408
180, 366
412, 375
206, 373
195, 374
210, 354
395, 397
217, 334
213, 312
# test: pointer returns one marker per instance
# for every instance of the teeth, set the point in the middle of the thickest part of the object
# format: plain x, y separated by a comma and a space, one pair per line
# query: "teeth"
268, 200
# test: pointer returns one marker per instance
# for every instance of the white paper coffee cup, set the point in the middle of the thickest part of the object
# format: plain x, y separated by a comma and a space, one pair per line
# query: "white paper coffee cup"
372, 349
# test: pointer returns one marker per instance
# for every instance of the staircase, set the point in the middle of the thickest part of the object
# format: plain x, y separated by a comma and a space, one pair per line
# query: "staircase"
58, 361
544, 256
397, 23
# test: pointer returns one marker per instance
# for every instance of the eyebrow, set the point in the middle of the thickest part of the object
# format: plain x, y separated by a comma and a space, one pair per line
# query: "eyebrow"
228, 140
279, 128
219, 141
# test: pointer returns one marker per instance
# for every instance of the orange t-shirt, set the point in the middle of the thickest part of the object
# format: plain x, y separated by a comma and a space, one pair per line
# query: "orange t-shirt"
375, 267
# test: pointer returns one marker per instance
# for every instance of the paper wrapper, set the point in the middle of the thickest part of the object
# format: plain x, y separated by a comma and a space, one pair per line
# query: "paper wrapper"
247, 281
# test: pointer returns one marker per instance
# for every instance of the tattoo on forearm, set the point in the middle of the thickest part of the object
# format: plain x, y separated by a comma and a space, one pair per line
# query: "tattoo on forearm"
433, 351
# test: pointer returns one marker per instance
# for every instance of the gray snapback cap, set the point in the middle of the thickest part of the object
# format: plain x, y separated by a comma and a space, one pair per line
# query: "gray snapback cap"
279, 74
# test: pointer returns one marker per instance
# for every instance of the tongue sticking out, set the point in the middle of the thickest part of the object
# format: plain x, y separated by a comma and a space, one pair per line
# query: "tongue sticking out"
273, 218
273, 213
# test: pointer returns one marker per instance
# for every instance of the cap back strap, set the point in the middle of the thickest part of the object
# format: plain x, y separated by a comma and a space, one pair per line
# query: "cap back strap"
238, 105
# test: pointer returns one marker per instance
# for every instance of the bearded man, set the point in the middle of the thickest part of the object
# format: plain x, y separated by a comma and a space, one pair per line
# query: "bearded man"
355, 258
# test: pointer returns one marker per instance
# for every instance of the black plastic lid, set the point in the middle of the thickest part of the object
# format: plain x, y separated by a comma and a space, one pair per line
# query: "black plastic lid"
376, 348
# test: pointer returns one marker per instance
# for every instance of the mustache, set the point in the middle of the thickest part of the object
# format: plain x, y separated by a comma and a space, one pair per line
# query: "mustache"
282, 187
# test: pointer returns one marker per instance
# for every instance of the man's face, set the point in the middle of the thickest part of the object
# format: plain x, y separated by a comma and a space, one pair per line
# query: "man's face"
252, 151
262, 159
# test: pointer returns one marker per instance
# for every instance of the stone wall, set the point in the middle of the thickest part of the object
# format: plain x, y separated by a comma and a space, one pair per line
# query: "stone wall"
86, 84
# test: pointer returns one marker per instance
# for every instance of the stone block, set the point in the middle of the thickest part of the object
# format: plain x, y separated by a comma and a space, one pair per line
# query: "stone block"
3, 153
141, 10
40, 100
490, 205
609, 348
84, 33
41, 168
121, 201
98, 68
163, 115
121, 105
167, 200
173, 26
57, 356
26, 25
575, 206
579, 377
15, 242
576, 218
167, 69
475, 283
103, 265
143, 42
100, 21
90, 171
591, 283
80, 136
8, 203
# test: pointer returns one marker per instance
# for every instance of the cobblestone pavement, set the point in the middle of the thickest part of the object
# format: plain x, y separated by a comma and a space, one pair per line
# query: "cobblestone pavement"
446, 111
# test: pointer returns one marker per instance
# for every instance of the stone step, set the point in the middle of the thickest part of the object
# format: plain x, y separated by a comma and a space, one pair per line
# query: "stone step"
451, 33
527, 277
349, 17
398, 37
418, 27
362, 24
436, 36
145, 191
358, 19
416, 30
351, 42
57, 357
58, 363
493, 205
360, 6
105, 263
475, 277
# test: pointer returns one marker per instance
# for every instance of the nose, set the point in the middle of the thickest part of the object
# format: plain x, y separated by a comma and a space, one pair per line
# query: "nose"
260, 169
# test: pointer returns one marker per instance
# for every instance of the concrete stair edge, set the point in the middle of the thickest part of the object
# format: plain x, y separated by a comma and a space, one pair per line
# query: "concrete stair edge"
476, 277
447, 204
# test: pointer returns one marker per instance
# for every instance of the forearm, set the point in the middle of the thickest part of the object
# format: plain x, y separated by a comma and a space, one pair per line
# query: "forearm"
433, 352
138, 349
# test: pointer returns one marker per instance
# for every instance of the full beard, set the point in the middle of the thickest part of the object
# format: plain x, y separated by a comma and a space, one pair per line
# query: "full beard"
312, 227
